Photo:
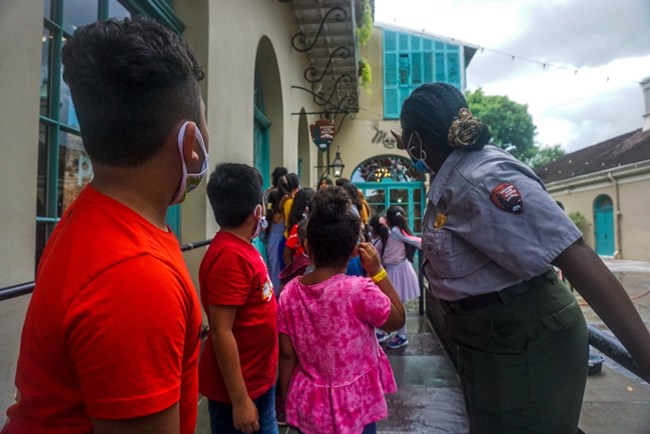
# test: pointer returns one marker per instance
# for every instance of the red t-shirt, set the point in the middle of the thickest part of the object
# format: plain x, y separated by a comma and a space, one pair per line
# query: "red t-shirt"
293, 242
233, 273
112, 329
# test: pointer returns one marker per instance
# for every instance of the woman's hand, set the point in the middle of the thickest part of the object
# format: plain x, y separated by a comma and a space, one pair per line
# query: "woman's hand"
369, 258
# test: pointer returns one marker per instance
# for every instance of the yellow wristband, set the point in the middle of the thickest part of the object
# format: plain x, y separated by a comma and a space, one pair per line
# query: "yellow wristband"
379, 276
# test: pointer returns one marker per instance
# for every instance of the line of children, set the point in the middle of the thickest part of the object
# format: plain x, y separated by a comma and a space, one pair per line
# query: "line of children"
330, 387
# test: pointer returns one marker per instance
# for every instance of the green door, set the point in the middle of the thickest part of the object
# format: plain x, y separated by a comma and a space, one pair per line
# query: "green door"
604, 225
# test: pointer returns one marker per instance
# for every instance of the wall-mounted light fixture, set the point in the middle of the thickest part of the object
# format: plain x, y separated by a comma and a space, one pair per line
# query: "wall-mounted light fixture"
337, 165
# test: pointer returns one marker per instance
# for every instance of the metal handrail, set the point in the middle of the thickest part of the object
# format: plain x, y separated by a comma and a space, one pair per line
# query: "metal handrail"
613, 349
14, 291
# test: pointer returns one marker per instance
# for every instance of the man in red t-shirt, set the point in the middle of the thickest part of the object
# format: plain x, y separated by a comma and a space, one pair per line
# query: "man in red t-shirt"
238, 366
111, 337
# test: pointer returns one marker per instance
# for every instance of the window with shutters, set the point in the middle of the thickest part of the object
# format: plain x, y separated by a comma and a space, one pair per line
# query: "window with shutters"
412, 60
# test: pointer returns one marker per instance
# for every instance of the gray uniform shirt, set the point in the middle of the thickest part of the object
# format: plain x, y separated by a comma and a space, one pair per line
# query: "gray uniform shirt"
489, 224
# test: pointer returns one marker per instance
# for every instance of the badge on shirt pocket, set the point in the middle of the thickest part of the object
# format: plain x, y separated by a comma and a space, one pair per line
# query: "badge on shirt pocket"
508, 198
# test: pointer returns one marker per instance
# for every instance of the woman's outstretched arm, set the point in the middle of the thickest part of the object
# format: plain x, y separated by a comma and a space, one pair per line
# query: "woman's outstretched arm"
605, 294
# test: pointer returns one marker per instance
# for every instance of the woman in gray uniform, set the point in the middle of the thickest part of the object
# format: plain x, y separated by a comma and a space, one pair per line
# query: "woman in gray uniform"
491, 235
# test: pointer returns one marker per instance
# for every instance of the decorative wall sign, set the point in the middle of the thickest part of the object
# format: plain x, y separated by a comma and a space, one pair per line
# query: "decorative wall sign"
322, 133
384, 138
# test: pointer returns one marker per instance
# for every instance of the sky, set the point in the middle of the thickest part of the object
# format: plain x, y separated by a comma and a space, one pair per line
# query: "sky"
596, 51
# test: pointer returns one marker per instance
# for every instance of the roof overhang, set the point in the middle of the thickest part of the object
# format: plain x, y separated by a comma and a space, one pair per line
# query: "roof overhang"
327, 36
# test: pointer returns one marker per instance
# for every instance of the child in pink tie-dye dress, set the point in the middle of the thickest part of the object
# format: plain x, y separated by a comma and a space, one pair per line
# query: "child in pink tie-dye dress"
333, 372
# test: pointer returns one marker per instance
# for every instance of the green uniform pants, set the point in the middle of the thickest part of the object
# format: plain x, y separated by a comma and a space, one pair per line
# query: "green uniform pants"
523, 361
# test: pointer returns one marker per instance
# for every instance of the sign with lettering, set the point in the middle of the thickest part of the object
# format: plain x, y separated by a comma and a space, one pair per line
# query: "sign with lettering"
322, 133
384, 138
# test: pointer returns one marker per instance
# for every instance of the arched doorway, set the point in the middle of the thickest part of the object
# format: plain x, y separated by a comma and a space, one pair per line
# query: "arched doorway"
387, 180
604, 225
261, 133
268, 131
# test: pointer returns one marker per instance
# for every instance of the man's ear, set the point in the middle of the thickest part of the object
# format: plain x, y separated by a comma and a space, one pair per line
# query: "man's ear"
189, 140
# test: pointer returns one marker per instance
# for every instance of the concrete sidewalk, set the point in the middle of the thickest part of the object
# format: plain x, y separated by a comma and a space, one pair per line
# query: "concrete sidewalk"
617, 401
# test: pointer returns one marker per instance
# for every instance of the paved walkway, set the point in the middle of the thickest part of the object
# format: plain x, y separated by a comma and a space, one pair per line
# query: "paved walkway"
617, 401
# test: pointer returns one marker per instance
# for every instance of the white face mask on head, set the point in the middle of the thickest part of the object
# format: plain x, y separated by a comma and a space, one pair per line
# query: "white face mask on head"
190, 180
261, 223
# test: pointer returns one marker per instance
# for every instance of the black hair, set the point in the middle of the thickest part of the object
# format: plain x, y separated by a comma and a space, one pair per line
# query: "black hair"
332, 229
396, 216
131, 82
288, 183
234, 191
273, 198
431, 109
327, 180
340, 181
276, 174
381, 230
353, 192
301, 201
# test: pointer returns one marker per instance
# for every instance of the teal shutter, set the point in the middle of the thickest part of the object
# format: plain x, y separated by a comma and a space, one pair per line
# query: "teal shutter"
453, 69
427, 67
391, 95
390, 41
403, 42
410, 61
416, 69
440, 67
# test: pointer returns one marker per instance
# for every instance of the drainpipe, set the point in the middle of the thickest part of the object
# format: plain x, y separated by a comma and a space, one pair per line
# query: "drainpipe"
617, 221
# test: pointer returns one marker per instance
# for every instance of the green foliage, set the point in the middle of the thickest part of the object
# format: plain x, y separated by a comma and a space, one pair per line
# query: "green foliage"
365, 73
579, 220
544, 155
510, 123
364, 32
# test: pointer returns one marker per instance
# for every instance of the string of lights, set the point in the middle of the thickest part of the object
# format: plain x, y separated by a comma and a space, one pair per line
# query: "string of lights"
513, 57
544, 64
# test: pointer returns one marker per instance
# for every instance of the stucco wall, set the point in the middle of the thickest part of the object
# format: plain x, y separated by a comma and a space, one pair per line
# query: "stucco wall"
634, 207
364, 137
235, 32
20, 44
635, 211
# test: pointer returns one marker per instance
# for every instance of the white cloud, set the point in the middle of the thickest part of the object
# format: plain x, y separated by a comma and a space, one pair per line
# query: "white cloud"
605, 41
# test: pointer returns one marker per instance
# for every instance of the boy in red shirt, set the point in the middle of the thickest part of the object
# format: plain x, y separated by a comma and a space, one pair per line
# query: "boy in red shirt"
111, 337
238, 366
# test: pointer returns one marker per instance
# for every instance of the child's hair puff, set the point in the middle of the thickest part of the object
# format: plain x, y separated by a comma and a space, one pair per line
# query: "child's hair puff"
333, 229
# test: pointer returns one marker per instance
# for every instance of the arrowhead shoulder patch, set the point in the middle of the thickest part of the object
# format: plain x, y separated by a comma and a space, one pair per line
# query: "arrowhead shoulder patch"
508, 198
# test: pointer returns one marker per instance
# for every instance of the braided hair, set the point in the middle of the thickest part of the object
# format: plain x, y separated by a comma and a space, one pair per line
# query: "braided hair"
439, 112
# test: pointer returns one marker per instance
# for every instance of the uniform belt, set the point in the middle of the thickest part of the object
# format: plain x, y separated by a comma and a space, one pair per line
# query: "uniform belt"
483, 300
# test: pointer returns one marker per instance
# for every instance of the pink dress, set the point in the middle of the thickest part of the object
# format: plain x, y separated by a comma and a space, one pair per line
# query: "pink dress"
342, 374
